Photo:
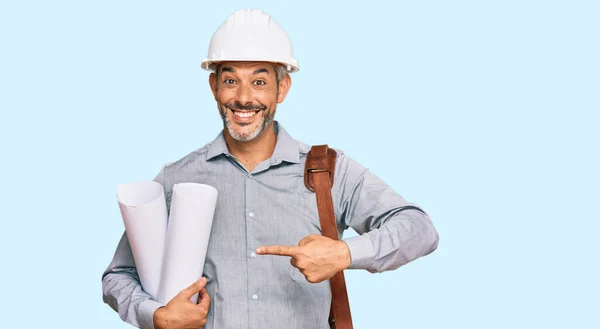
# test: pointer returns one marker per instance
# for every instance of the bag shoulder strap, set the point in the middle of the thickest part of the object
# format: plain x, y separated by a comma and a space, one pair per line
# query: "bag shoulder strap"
318, 178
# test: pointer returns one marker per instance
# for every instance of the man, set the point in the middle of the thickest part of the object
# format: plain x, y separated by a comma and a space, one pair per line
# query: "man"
267, 265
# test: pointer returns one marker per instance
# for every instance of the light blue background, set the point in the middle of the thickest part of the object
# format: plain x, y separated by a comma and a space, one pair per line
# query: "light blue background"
485, 113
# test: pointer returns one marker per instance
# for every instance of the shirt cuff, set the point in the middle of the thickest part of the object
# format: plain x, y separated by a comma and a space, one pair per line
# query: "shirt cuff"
146, 313
361, 252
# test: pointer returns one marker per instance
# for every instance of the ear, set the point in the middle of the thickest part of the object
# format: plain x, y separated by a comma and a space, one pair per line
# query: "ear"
284, 87
212, 80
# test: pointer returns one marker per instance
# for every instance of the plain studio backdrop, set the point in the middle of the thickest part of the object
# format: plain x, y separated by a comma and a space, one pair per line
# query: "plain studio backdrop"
485, 113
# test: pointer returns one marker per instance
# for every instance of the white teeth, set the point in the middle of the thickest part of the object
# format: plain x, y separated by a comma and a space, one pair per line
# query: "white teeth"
245, 114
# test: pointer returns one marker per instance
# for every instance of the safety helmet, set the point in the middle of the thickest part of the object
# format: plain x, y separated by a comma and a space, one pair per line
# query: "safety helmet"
250, 35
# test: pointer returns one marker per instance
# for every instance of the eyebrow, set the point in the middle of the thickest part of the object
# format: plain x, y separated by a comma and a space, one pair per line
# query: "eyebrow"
230, 69
261, 71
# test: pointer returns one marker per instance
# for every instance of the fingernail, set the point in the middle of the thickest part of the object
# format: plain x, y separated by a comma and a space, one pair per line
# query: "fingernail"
259, 250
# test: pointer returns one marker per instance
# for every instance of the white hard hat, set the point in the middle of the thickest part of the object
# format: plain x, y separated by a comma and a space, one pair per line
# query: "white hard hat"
250, 35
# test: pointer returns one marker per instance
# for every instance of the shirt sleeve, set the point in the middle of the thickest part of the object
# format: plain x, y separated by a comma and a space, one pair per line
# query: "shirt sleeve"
121, 287
392, 232
122, 290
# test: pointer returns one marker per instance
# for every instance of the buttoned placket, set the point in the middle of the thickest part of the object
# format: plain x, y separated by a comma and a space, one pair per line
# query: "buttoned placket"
250, 217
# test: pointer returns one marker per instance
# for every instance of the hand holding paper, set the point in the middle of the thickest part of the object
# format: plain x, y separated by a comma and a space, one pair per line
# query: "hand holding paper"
181, 313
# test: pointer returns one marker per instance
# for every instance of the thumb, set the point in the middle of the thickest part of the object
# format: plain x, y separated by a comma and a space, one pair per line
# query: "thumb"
193, 289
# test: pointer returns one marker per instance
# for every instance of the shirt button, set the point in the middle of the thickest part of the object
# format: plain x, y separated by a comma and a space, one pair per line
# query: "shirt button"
251, 214
253, 255
254, 296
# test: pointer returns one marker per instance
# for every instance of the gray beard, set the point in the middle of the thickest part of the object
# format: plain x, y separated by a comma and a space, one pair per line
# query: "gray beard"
267, 120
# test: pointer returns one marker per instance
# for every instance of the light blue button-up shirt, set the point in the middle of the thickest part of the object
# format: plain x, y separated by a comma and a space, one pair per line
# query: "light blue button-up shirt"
271, 206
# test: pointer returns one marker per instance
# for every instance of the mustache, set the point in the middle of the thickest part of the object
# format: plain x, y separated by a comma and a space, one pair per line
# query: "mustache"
249, 107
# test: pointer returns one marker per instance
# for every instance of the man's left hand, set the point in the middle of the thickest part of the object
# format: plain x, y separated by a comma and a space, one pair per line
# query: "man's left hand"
319, 258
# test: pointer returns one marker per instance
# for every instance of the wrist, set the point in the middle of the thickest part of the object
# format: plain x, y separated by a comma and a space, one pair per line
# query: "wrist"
346, 258
159, 318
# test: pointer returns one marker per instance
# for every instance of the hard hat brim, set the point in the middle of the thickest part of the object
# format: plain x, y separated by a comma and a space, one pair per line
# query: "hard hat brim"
208, 64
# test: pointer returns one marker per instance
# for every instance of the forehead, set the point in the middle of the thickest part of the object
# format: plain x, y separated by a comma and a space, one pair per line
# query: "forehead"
246, 67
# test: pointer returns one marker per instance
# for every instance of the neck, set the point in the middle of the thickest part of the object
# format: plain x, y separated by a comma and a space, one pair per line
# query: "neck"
253, 152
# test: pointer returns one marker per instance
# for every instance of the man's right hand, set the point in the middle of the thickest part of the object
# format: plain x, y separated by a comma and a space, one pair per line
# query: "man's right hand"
181, 313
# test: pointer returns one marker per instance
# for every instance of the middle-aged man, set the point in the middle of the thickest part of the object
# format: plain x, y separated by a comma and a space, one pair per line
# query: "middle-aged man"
267, 264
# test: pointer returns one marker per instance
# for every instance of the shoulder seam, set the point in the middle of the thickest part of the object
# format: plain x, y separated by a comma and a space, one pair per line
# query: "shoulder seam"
197, 153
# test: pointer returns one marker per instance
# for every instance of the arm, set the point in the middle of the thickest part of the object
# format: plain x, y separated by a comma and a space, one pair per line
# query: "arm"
121, 287
392, 231
122, 291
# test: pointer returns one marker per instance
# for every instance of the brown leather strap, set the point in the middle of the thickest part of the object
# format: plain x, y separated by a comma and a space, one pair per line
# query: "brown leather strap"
318, 177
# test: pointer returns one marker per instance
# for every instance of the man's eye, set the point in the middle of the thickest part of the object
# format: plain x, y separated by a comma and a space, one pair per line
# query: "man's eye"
229, 81
260, 82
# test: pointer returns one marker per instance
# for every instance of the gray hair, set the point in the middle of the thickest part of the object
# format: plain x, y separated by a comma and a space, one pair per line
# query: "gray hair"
280, 71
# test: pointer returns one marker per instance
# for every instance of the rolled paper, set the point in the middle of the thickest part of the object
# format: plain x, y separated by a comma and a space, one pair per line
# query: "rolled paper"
190, 221
144, 211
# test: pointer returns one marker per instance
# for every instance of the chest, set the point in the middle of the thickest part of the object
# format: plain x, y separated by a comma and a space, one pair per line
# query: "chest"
272, 207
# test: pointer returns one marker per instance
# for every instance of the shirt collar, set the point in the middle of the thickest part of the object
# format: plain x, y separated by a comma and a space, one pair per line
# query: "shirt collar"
286, 148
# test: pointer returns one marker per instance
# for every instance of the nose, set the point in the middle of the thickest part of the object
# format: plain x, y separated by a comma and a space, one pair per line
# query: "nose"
243, 94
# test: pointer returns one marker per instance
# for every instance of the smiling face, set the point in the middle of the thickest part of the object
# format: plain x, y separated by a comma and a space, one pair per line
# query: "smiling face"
247, 94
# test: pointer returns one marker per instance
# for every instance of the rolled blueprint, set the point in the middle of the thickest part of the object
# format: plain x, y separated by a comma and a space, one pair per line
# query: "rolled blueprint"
144, 211
190, 221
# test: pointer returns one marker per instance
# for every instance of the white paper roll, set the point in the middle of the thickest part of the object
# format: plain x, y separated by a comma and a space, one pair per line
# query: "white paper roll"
190, 221
144, 211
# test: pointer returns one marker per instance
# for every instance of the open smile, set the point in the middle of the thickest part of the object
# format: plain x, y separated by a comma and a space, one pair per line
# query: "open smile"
244, 114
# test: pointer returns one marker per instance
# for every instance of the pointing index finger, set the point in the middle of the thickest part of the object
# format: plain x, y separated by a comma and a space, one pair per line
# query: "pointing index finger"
277, 250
